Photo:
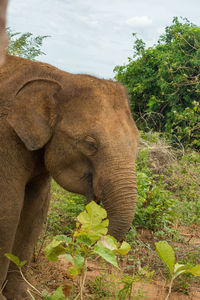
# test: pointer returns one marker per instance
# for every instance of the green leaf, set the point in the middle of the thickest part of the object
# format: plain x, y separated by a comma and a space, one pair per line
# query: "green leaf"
125, 248
74, 271
57, 295
105, 253
110, 242
195, 270
166, 254
84, 239
15, 260
78, 261
77, 267
54, 249
63, 238
96, 210
93, 223
93, 215
22, 263
68, 258
180, 269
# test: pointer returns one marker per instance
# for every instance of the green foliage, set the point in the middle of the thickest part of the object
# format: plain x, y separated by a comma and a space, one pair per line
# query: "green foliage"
113, 286
156, 204
25, 45
54, 249
182, 179
186, 125
164, 77
15, 260
93, 225
167, 255
65, 207
57, 295
89, 238
164, 199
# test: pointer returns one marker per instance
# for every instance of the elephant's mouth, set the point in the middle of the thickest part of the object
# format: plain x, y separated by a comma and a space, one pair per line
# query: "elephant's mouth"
90, 195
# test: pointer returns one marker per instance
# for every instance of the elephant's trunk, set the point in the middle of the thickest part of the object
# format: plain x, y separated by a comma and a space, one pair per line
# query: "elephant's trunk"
119, 198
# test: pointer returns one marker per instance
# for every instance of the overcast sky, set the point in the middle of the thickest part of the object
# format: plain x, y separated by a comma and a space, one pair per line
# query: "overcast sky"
93, 36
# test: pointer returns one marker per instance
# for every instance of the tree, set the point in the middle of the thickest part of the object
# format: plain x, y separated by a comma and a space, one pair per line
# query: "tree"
163, 82
25, 45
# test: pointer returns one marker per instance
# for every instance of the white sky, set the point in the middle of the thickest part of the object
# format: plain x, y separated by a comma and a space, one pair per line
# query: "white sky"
93, 36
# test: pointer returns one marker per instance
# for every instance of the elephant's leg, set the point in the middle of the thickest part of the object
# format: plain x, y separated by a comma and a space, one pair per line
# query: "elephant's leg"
11, 201
33, 214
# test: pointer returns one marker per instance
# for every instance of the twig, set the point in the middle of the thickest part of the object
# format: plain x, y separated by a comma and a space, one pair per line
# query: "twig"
1, 290
170, 289
148, 196
77, 296
29, 292
84, 278
34, 288
42, 243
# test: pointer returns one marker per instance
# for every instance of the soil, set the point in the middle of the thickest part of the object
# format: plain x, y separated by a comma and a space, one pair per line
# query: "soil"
48, 275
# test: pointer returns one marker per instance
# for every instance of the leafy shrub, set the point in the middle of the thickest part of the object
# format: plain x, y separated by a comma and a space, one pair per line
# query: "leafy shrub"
155, 205
186, 125
167, 255
64, 208
164, 77
25, 45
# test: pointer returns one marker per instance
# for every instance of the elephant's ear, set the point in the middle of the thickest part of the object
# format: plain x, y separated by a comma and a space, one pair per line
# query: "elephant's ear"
33, 112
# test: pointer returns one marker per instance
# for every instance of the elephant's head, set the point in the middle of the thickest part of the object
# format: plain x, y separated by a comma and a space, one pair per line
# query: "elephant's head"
89, 138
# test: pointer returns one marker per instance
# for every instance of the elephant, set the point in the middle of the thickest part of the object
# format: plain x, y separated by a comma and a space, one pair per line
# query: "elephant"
74, 128
3, 35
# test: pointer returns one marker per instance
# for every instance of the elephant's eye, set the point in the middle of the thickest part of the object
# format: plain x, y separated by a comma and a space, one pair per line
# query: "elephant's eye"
90, 145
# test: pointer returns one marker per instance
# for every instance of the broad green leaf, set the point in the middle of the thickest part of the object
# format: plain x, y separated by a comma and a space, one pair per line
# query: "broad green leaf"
54, 249
63, 238
84, 239
77, 267
15, 260
105, 253
179, 269
58, 295
109, 242
195, 270
92, 216
94, 232
96, 210
125, 248
93, 223
68, 258
74, 271
166, 254
78, 261
22, 263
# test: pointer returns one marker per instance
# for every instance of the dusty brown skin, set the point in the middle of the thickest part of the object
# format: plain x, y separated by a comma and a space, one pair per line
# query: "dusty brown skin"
3, 35
77, 129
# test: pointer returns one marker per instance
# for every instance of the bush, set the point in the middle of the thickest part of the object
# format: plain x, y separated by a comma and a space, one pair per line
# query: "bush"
25, 45
165, 78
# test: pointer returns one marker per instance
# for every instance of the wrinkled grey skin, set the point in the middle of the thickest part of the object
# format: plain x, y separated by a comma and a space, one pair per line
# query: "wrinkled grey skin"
75, 128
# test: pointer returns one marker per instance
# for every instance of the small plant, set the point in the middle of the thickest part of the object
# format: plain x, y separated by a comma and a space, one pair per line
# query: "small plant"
156, 204
89, 238
167, 255
57, 295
